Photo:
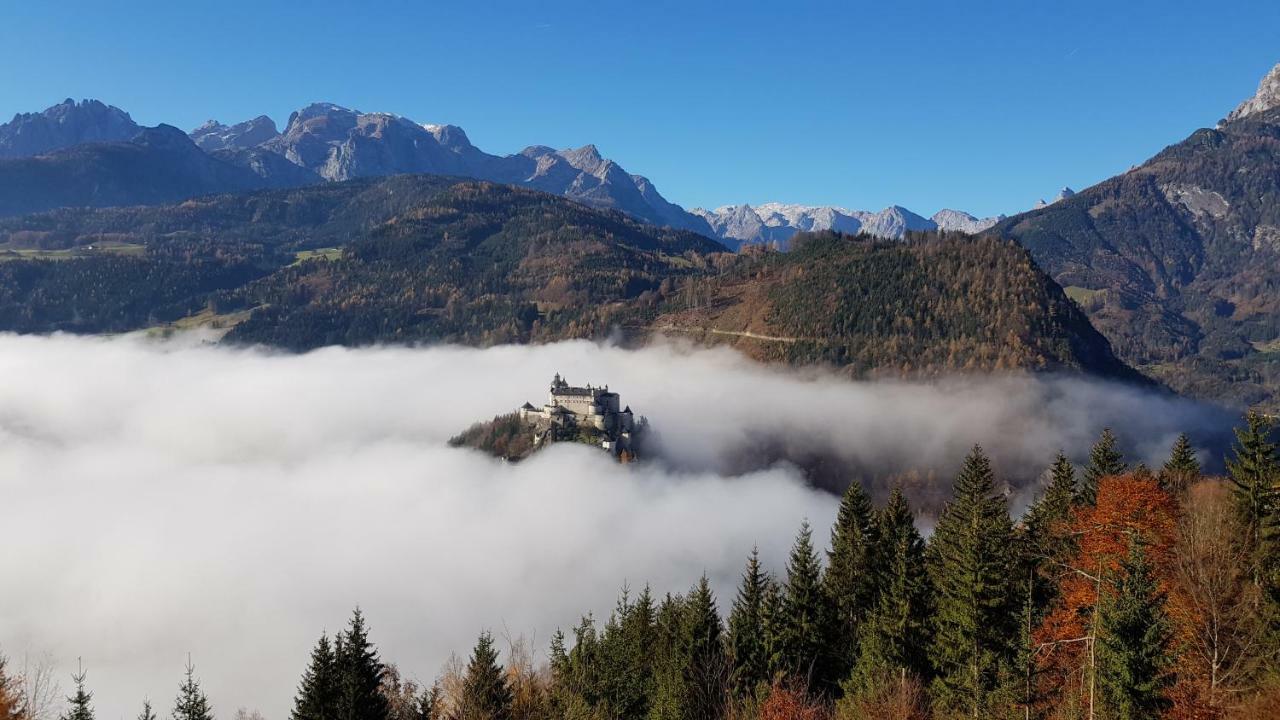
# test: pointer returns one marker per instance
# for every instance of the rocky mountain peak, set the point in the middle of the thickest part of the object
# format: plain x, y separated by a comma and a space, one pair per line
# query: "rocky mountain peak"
63, 125
214, 135
1266, 98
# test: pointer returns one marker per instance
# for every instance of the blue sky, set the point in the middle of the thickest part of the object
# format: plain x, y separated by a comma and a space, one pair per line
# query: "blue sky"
983, 106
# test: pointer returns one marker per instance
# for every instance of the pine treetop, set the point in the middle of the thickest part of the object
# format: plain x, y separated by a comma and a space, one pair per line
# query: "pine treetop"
1134, 663
1105, 459
81, 701
191, 703
486, 694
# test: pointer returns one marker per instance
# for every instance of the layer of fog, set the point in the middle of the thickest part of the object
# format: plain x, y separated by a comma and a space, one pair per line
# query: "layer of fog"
160, 498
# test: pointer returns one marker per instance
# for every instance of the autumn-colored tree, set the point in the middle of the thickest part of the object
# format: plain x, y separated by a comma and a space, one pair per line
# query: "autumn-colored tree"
1128, 508
1219, 630
10, 694
789, 701
891, 696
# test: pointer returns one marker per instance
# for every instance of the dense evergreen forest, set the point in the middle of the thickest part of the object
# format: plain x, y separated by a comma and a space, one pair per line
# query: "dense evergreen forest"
1121, 593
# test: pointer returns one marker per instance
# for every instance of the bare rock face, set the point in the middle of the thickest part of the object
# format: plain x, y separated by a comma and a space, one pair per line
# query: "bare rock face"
338, 144
213, 135
1267, 97
64, 125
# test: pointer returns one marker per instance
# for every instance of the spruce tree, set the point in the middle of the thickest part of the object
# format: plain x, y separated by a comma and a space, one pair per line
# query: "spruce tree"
1254, 471
1133, 658
80, 704
1046, 539
1182, 468
359, 674
319, 693
968, 559
625, 679
147, 713
702, 649
850, 581
805, 617
1104, 460
748, 634
485, 692
894, 639
191, 703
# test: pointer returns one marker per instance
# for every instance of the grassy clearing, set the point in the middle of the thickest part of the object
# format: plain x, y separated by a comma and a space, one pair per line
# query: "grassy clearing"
327, 254
106, 248
1082, 295
220, 324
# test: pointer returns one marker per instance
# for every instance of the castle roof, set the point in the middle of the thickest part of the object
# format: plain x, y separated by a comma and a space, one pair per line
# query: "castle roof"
575, 391
527, 406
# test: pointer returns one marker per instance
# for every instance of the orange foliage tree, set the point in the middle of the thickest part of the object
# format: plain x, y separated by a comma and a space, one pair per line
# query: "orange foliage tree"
1129, 508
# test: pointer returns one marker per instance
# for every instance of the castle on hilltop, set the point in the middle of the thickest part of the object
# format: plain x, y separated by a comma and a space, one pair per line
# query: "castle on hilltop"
583, 412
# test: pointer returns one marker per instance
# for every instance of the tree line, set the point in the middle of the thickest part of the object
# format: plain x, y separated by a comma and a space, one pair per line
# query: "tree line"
1122, 593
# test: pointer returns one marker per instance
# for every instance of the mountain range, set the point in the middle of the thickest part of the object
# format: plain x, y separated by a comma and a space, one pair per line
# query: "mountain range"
78, 146
1175, 261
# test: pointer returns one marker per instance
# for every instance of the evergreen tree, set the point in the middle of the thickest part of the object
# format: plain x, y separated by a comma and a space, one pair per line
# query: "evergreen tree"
894, 638
1182, 468
690, 659
702, 648
748, 635
81, 702
147, 713
1133, 656
191, 703
805, 617
1104, 460
319, 693
850, 581
1254, 472
1046, 536
485, 692
625, 679
359, 674
969, 558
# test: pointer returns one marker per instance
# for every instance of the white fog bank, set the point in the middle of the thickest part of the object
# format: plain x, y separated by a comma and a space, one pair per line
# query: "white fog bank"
160, 498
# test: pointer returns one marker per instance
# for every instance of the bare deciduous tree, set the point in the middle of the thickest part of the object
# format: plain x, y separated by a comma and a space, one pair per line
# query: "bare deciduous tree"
1220, 601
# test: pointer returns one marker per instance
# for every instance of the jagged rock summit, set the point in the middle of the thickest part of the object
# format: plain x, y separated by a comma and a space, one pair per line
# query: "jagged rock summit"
64, 125
1266, 98
213, 135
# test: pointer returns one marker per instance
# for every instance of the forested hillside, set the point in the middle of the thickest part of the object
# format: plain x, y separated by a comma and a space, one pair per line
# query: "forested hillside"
418, 258
929, 304
1176, 260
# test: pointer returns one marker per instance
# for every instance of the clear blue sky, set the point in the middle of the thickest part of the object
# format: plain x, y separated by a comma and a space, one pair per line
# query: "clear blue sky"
977, 105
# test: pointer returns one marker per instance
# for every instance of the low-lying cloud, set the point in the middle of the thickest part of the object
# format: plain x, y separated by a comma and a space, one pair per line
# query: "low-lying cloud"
160, 498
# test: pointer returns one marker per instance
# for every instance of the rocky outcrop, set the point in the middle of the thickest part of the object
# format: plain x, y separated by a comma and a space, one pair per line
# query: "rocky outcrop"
1266, 98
